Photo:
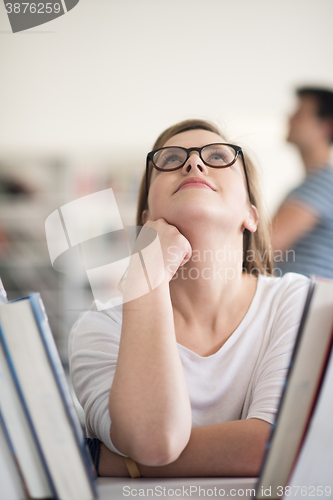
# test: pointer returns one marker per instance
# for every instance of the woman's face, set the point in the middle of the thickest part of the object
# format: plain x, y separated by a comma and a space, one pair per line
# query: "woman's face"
223, 202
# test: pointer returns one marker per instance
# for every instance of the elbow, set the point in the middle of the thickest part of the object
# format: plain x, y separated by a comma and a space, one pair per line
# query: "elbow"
253, 468
153, 449
254, 452
254, 463
159, 451
250, 465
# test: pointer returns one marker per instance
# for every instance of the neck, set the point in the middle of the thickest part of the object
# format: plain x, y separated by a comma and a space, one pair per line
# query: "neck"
316, 157
208, 284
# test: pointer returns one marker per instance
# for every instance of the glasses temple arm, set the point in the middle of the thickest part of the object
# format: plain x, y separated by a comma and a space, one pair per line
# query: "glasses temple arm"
246, 177
147, 164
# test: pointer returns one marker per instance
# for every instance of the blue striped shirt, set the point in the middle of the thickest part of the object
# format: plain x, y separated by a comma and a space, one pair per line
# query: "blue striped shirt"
313, 253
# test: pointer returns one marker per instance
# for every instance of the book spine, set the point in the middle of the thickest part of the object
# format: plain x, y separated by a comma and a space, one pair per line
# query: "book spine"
26, 411
13, 454
3, 293
305, 313
60, 377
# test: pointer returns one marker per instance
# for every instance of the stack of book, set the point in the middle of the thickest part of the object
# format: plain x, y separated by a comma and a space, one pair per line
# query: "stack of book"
42, 446
299, 457
43, 454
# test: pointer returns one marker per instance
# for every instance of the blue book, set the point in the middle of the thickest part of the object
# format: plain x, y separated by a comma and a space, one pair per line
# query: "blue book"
37, 373
17, 429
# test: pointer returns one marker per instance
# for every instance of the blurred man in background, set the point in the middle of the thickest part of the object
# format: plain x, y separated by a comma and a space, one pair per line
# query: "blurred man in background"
302, 228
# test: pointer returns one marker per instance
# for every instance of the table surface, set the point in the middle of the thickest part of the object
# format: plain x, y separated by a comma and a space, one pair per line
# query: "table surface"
118, 488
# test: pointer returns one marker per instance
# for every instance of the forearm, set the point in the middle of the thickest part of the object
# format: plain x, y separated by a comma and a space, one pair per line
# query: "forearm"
229, 449
149, 404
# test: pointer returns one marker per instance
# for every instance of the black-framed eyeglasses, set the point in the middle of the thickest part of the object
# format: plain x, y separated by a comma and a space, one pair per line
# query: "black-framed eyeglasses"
217, 155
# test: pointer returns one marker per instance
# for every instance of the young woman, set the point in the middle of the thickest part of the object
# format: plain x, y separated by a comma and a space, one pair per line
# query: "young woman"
190, 374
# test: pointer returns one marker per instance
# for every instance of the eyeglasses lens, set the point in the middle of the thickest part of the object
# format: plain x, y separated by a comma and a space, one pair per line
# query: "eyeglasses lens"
169, 158
216, 155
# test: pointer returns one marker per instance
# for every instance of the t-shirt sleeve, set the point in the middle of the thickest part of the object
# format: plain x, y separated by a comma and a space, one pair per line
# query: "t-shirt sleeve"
316, 193
93, 352
270, 375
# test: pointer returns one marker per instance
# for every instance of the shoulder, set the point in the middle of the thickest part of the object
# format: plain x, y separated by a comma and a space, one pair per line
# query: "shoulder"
94, 328
316, 190
288, 283
318, 177
320, 180
283, 289
282, 299
93, 319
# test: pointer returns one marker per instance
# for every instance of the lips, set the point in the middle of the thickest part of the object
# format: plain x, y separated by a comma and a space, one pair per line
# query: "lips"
194, 180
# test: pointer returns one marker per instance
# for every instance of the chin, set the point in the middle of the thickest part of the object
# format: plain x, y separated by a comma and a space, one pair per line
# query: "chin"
292, 139
192, 216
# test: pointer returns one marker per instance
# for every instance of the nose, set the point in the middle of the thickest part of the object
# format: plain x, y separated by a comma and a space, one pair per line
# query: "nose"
194, 162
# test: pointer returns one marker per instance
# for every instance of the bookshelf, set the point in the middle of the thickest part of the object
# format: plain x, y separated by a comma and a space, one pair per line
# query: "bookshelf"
32, 186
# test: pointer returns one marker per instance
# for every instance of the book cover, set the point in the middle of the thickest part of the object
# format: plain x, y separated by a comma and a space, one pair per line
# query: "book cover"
39, 376
307, 368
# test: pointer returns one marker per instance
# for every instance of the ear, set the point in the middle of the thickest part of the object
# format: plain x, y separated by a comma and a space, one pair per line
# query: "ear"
145, 216
328, 128
251, 222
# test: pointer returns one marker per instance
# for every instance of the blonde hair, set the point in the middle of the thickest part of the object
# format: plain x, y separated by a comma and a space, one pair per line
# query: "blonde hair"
257, 258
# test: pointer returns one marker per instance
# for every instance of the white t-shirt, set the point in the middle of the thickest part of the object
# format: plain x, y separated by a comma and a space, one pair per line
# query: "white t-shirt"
243, 379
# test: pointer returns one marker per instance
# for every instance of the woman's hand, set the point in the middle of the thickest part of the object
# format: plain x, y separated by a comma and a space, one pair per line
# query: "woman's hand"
176, 249
160, 250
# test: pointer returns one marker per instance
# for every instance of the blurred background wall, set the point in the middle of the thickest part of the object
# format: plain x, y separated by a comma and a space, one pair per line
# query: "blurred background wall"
83, 98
